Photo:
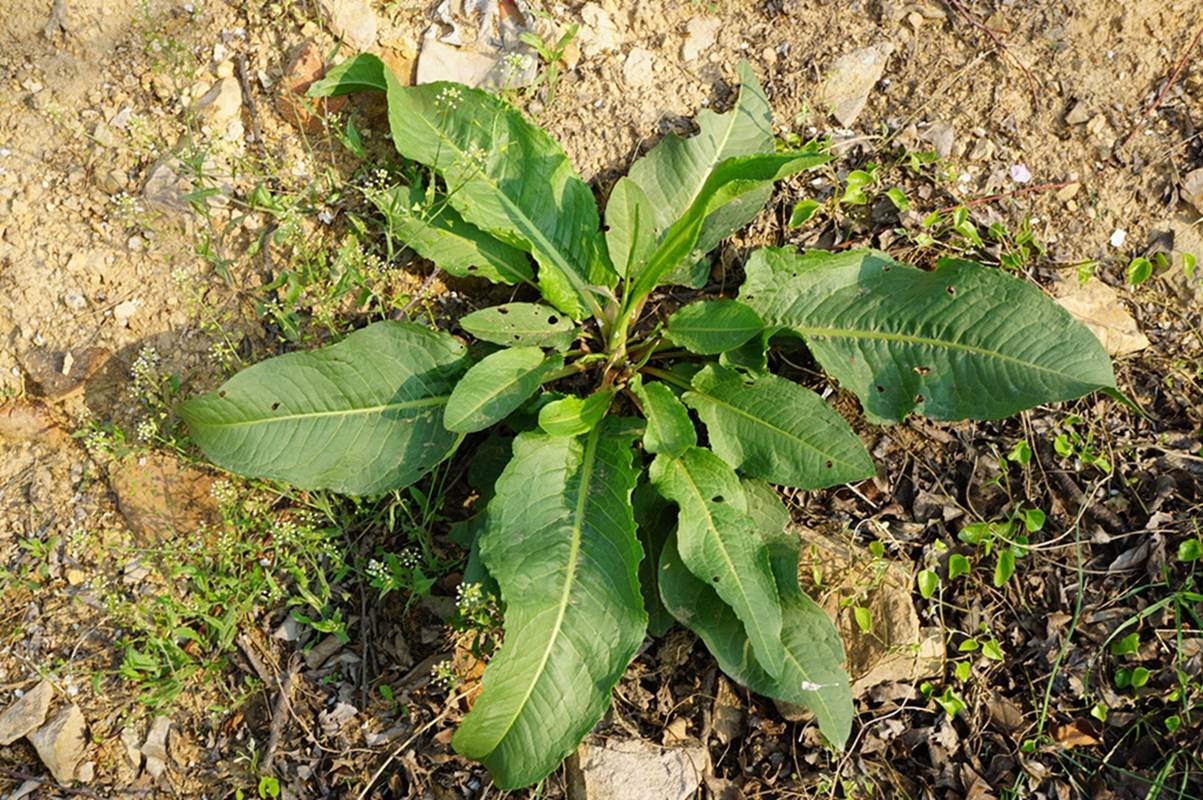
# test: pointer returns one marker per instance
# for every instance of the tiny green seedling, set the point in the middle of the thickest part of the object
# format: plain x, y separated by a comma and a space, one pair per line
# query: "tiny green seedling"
637, 452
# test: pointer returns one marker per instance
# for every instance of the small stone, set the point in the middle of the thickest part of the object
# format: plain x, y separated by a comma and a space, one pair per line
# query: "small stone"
353, 21
571, 55
598, 33
26, 714
941, 135
983, 150
1078, 114
85, 772
74, 301
1118, 237
700, 34
1192, 189
75, 576
305, 65
1068, 191
639, 68
123, 311
103, 135
155, 747
111, 181
136, 244
224, 69
1020, 173
166, 189
61, 742
220, 104
851, 78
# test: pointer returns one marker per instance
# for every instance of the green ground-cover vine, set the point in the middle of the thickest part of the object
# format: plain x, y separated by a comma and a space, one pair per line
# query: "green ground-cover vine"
648, 497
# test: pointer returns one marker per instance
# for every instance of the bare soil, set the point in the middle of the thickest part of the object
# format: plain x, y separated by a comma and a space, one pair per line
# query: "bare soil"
1075, 91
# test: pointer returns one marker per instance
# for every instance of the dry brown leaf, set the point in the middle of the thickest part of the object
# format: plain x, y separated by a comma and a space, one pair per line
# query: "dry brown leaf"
1078, 733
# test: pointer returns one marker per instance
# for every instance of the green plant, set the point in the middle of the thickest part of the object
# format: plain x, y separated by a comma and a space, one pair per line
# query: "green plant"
591, 539
552, 55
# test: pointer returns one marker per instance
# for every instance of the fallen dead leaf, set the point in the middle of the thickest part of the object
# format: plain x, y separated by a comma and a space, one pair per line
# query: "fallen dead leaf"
1097, 306
1078, 733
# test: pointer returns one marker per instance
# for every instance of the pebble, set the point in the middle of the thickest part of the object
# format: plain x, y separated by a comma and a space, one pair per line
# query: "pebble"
941, 135
221, 103
639, 68
1078, 114
74, 301
700, 34
126, 309
1118, 237
851, 78
598, 33
1020, 173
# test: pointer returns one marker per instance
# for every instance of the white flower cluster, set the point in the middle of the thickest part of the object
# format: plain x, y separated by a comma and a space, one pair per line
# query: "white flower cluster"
224, 493
377, 572
448, 98
147, 430
145, 372
470, 599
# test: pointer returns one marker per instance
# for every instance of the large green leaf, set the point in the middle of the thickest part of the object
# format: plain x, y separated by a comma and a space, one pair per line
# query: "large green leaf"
514, 324
495, 386
504, 175
669, 428
710, 327
673, 173
360, 417
812, 676
572, 416
772, 428
560, 541
959, 342
717, 540
630, 227
439, 234
729, 180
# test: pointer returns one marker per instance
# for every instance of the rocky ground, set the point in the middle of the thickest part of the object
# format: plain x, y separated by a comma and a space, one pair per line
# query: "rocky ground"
146, 644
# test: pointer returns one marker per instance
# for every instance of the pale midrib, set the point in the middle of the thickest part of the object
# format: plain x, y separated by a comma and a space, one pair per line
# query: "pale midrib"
569, 579
353, 412
718, 539
765, 423
532, 231
905, 338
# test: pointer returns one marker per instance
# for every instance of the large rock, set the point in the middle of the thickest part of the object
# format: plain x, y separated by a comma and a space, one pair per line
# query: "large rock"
221, 104
353, 21
1192, 189
894, 648
161, 499
305, 65
628, 769
1097, 306
598, 33
26, 714
60, 373
61, 742
851, 78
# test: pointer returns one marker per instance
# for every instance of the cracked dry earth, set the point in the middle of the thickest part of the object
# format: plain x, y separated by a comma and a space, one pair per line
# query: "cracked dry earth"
1081, 115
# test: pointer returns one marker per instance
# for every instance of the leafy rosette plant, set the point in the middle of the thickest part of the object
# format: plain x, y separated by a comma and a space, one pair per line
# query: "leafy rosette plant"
613, 516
